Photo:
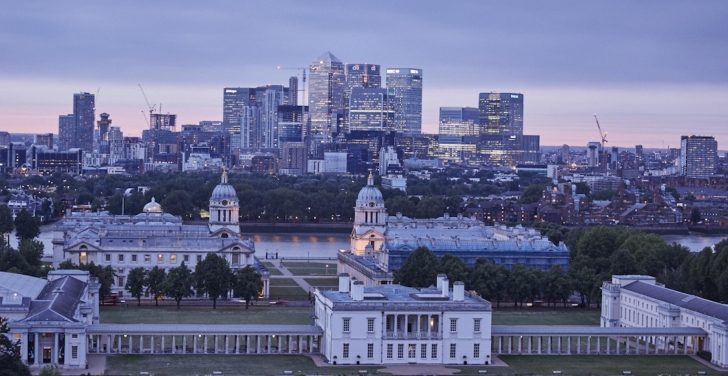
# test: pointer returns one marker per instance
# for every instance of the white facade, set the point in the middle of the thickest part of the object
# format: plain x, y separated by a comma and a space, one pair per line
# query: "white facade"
335, 163
370, 221
393, 324
639, 301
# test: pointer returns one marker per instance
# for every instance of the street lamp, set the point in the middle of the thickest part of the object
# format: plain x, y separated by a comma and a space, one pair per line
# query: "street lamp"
327, 269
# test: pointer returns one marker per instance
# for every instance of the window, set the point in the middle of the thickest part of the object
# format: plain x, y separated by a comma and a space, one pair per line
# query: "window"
346, 351
74, 336
147, 258
121, 294
347, 327
423, 351
236, 258
453, 325
173, 259
453, 350
476, 350
160, 258
411, 350
476, 325
108, 257
370, 350
186, 258
121, 282
400, 351
199, 258
133, 258
121, 258
433, 354
83, 258
389, 350
370, 325
74, 352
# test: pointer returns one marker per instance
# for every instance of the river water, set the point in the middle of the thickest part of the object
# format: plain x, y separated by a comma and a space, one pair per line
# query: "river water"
327, 245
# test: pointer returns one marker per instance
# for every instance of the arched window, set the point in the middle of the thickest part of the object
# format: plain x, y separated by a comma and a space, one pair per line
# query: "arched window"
83, 247
224, 235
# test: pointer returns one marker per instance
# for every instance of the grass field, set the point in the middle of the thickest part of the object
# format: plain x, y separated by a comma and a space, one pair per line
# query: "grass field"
602, 365
206, 315
288, 293
310, 268
227, 364
274, 271
328, 282
282, 282
545, 316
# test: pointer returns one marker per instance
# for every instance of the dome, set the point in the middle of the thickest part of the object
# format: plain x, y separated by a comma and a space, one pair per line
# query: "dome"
224, 191
152, 207
370, 192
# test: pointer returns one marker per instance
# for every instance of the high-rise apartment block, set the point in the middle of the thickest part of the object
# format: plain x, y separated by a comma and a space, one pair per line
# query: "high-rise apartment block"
65, 132
293, 91
698, 156
406, 85
326, 85
459, 121
45, 140
77, 130
501, 113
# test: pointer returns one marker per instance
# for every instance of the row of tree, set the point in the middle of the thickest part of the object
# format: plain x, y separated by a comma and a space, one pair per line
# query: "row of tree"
596, 254
212, 277
26, 226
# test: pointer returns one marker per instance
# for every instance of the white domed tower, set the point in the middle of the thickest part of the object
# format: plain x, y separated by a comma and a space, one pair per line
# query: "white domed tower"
224, 209
370, 219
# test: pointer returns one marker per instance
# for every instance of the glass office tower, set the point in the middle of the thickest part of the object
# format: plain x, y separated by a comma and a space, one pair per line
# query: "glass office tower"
501, 114
459, 121
325, 92
406, 85
370, 109
234, 99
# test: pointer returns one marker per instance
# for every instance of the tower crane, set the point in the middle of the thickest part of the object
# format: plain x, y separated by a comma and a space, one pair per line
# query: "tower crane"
303, 81
151, 107
603, 136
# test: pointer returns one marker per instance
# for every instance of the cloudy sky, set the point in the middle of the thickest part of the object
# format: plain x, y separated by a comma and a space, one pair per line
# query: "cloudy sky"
651, 70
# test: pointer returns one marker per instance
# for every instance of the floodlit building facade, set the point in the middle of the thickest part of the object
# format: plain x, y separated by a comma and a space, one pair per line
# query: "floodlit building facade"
698, 156
406, 86
327, 81
393, 324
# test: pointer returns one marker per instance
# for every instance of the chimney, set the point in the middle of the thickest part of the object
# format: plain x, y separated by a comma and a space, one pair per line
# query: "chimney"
458, 292
344, 282
357, 291
439, 280
445, 288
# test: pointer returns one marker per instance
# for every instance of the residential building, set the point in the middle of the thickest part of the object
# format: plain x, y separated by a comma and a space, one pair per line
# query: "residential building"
45, 140
83, 121
294, 158
406, 85
698, 156
66, 132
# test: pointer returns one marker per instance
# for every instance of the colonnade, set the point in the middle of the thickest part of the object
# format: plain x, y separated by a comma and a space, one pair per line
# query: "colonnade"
203, 343
397, 326
594, 344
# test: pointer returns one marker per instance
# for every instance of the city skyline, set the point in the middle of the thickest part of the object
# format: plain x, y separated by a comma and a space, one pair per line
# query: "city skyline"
643, 69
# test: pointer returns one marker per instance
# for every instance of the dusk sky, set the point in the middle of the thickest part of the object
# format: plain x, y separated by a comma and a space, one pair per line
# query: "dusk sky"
652, 71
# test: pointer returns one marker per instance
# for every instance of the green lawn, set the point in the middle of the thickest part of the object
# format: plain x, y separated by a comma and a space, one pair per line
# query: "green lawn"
545, 316
262, 313
267, 264
274, 271
288, 293
598, 365
282, 282
227, 364
328, 282
303, 264
311, 268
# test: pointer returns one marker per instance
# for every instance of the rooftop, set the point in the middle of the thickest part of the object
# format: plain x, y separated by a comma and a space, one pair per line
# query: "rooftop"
397, 298
682, 300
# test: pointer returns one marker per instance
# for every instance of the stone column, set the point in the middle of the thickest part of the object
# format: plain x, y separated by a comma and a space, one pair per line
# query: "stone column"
549, 343
247, 344
588, 345
298, 343
280, 343
626, 345
204, 350
568, 345
36, 350
617, 345
151, 345
194, 344
530, 339
578, 345
141, 344
290, 344
405, 325
500, 345
214, 338
108, 344
118, 344
559, 347
310, 344
675, 342
257, 351
226, 344
162, 344
174, 344
184, 344
395, 325
609, 344
599, 345
237, 344
510, 345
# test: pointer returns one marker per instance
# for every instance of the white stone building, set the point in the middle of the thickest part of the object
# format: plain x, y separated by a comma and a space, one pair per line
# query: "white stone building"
393, 324
637, 301
154, 238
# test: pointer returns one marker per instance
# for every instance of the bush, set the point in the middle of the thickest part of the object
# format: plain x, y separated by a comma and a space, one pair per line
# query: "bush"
707, 355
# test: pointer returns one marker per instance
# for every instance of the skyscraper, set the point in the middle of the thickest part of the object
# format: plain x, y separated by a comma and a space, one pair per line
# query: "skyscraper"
370, 109
233, 101
293, 88
698, 156
326, 92
363, 75
459, 121
83, 117
406, 84
501, 114
65, 132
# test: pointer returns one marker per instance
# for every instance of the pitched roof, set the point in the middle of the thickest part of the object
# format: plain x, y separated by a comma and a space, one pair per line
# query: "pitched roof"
328, 57
58, 301
680, 299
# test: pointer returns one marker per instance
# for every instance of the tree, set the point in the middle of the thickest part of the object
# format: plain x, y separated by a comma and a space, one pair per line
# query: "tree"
695, 216
26, 226
213, 277
153, 282
623, 262
247, 284
105, 275
454, 267
418, 270
135, 283
519, 284
31, 251
556, 285
6, 220
11, 363
178, 283
400, 204
179, 203
531, 194
50, 371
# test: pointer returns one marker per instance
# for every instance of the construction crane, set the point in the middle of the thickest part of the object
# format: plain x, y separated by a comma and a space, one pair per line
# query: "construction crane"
151, 107
603, 135
303, 82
